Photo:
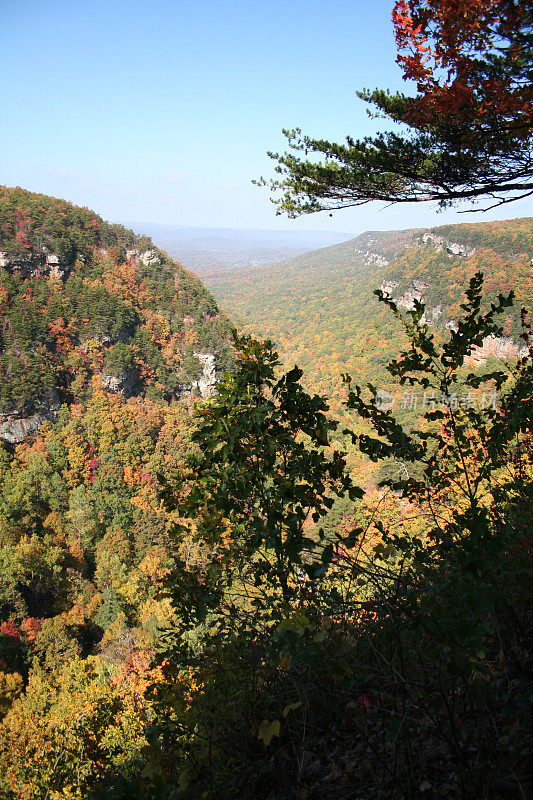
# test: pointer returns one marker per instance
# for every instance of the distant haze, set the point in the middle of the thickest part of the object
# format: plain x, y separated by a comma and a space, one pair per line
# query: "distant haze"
210, 250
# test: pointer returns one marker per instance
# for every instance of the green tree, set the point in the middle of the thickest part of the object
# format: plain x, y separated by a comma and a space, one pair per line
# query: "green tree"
445, 578
264, 469
112, 608
55, 644
82, 516
191, 368
458, 448
467, 130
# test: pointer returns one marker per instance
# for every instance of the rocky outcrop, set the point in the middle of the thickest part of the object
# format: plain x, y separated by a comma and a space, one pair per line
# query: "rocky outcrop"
16, 426
33, 265
207, 383
407, 300
410, 297
433, 314
369, 257
125, 384
414, 294
388, 287
451, 248
56, 270
150, 258
502, 347
14, 431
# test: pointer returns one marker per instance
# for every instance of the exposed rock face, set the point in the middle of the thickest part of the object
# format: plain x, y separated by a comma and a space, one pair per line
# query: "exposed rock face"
150, 257
126, 383
207, 383
414, 294
493, 346
451, 248
369, 257
33, 265
15, 427
497, 347
408, 298
388, 287
433, 314
54, 266
14, 431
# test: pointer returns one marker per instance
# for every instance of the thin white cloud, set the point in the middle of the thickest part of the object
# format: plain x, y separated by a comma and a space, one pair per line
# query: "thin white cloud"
66, 174
85, 181
175, 177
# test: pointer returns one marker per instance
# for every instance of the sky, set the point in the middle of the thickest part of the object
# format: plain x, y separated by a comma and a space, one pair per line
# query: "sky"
163, 111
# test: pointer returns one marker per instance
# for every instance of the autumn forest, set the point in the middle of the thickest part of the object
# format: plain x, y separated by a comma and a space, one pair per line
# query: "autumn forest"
271, 537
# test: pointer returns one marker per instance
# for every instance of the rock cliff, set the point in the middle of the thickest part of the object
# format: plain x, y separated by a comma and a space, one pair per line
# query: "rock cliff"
33, 265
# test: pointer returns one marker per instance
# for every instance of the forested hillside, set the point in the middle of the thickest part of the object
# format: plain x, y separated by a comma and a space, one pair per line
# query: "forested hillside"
81, 299
320, 308
224, 603
224, 576
101, 334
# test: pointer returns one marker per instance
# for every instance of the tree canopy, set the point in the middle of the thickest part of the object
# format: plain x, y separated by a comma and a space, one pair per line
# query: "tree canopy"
464, 136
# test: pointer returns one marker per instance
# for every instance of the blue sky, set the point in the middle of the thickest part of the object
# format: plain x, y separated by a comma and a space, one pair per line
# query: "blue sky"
163, 111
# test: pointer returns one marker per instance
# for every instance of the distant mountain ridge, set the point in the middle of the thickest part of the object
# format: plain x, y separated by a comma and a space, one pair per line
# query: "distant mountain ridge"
321, 310
209, 250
